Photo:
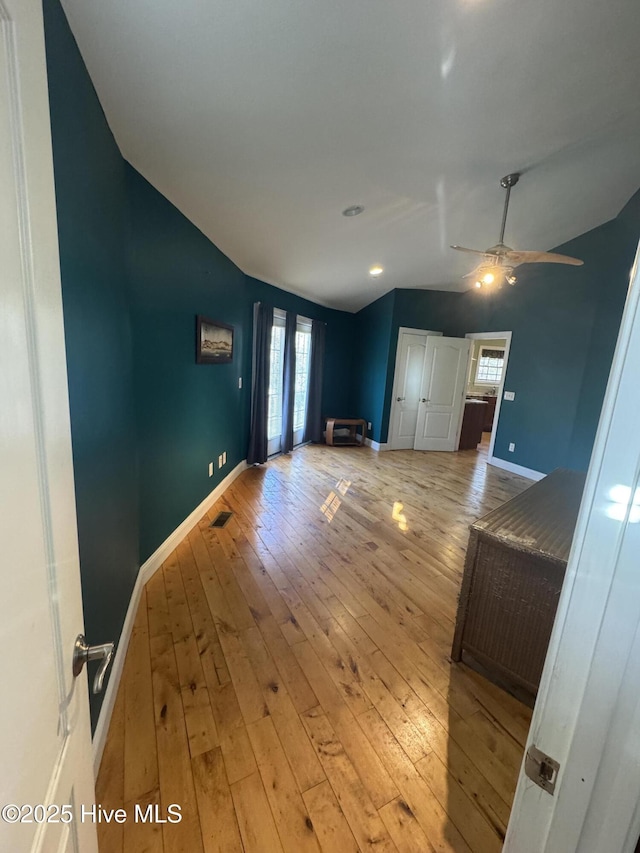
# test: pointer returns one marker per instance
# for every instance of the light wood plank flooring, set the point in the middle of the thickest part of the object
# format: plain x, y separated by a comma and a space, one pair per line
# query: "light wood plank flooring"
288, 681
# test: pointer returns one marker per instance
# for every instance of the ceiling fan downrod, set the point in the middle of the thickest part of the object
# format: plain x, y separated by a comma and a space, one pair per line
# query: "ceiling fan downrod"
507, 182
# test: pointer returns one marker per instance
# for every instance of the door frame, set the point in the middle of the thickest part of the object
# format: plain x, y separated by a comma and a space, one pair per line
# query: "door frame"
407, 331
489, 336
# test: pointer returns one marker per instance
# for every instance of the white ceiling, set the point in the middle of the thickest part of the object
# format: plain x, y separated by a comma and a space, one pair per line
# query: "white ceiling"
261, 120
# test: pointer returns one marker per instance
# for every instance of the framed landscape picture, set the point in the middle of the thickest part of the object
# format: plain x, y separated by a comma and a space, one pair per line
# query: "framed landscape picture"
214, 341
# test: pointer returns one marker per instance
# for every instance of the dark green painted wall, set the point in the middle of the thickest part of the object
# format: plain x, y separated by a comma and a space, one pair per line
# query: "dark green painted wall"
187, 413
372, 332
90, 194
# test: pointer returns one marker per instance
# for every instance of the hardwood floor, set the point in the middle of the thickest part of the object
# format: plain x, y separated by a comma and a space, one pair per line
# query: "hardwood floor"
288, 680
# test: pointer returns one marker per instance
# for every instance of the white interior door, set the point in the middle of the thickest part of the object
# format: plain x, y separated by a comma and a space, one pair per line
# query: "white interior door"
407, 385
444, 382
45, 742
587, 715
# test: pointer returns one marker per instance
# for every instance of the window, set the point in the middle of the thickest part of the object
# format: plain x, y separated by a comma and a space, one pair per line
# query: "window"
276, 367
490, 365
303, 361
276, 380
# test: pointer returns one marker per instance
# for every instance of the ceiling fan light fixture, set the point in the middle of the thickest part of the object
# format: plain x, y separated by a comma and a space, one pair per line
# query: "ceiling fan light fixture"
376, 270
499, 261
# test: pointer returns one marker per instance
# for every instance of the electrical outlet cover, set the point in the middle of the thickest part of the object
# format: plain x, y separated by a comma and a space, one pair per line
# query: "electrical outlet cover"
512, 447
509, 395
211, 469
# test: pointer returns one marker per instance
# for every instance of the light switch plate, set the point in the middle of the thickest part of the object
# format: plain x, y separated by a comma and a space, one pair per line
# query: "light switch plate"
239, 381
509, 395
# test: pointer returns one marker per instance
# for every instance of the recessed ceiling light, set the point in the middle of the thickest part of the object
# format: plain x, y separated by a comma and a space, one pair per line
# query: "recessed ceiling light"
375, 271
354, 210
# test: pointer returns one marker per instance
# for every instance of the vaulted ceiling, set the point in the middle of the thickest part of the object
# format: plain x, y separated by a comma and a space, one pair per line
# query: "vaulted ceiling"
261, 120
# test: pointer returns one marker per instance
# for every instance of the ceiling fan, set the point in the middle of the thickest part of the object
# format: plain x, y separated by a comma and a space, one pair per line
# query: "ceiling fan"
499, 261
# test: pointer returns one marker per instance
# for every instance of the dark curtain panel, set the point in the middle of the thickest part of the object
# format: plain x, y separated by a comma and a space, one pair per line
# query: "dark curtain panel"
314, 425
262, 323
289, 382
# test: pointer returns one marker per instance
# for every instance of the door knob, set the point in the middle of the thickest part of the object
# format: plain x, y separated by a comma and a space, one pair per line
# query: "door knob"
424, 400
83, 653
400, 399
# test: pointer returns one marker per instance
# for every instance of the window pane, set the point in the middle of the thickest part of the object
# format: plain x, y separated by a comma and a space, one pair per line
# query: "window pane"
274, 412
490, 365
303, 351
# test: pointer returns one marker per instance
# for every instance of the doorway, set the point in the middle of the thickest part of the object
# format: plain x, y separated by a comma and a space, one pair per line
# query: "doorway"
487, 371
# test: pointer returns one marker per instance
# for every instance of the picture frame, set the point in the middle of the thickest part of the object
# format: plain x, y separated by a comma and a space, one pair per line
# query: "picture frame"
214, 341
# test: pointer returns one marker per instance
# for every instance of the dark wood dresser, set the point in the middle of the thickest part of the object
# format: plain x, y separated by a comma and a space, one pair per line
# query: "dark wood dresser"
514, 569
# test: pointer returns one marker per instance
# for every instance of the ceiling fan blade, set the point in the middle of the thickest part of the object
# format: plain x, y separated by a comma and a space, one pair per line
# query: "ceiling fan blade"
471, 251
515, 258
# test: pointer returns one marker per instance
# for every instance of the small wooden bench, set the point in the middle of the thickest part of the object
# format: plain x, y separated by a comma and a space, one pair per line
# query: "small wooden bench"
352, 439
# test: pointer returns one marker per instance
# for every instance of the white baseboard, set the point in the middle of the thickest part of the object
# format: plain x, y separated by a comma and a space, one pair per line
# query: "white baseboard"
147, 569
375, 445
529, 473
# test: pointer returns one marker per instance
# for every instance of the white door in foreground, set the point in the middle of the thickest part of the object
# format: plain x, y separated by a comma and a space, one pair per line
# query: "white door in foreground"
45, 743
407, 384
444, 382
587, 715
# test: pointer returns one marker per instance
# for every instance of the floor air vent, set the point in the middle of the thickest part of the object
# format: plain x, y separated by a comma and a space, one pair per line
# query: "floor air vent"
221, 519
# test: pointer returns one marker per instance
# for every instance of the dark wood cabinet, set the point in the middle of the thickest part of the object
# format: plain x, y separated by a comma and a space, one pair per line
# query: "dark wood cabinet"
472, 424
489, 412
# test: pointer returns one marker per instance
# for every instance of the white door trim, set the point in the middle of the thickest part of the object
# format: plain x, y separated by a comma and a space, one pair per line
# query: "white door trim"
402, 330
489, 336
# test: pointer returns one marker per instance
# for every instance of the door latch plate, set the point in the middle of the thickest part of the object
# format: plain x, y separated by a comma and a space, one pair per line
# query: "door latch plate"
541, 769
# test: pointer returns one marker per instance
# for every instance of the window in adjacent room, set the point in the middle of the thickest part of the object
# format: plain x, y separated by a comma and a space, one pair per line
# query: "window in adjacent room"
490, 366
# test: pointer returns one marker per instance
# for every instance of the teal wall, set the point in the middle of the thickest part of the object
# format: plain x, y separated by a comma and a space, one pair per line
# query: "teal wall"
187, 414
90, 194
372, 332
